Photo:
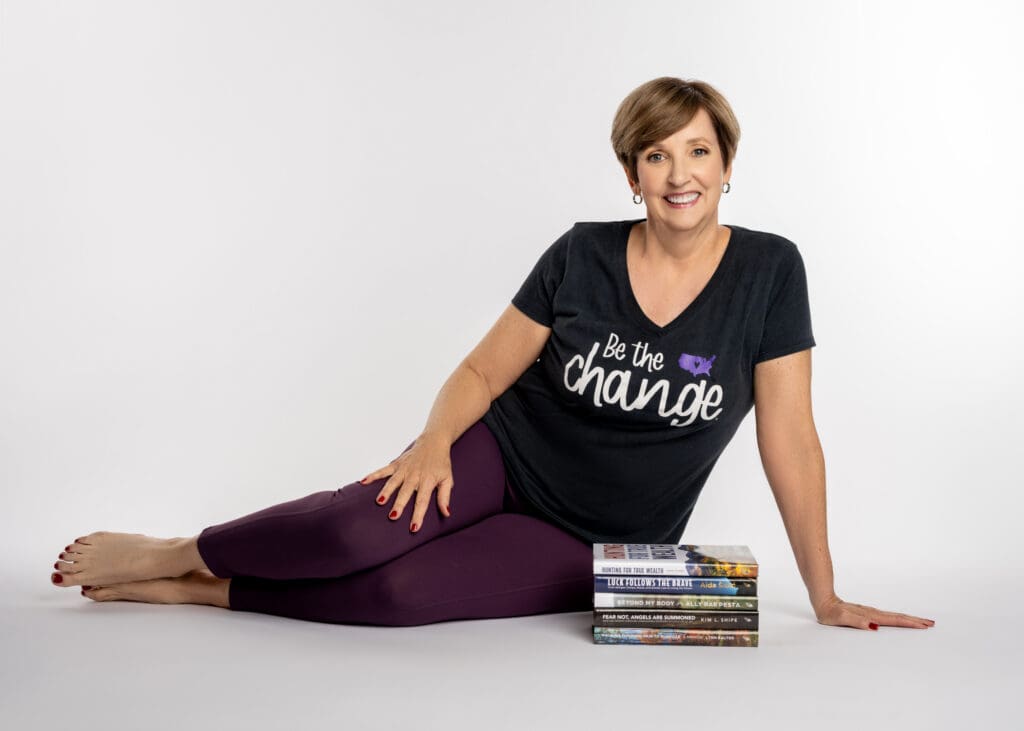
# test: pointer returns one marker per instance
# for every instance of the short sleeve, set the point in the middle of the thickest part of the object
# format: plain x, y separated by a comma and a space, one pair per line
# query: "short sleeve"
537, 293
787, 324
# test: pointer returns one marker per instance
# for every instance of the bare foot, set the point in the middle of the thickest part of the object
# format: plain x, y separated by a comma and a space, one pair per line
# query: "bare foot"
195, 587
105, 558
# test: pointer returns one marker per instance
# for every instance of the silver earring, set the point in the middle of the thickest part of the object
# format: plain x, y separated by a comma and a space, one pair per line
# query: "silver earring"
727, 187
635, 196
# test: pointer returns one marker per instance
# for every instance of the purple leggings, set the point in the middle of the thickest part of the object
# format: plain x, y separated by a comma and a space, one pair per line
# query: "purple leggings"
335, 556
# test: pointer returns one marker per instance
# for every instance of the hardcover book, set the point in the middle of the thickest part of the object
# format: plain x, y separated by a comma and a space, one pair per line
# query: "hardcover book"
604, 600
675, 585
668, 559
656, 636
675, 619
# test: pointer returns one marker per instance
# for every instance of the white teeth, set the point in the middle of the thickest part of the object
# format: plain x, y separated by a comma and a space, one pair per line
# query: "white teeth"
689, 198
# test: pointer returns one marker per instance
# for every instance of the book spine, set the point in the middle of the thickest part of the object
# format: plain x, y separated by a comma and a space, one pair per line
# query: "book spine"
651, 568
604, 600
677, 619
655, 636
675, 585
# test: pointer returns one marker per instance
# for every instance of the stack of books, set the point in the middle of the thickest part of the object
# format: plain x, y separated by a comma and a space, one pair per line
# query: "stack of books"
664, 594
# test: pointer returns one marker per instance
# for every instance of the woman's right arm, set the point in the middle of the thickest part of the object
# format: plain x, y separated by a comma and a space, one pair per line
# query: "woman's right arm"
511, 346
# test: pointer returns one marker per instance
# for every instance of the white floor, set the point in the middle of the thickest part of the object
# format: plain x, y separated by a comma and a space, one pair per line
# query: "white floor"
69, 663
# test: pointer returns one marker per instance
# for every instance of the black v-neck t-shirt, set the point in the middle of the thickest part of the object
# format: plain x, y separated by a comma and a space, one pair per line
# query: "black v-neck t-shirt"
614, 430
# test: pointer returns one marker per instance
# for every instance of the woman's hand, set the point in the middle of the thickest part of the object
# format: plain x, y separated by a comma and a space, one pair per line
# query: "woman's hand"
835, 611
426, 464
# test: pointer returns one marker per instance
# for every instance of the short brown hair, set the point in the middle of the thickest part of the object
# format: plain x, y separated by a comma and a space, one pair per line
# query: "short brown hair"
660, 107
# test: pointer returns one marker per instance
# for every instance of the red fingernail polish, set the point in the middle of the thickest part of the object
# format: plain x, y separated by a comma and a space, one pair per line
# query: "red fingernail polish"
381, 499
394, 514
57, 578
414, 527
67, 548
86, 587
56, 566
872, 625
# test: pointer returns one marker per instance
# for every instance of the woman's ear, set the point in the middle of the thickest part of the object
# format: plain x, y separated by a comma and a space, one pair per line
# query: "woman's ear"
629, 178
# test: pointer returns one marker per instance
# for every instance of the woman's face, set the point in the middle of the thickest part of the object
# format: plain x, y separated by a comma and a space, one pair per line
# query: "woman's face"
689, 160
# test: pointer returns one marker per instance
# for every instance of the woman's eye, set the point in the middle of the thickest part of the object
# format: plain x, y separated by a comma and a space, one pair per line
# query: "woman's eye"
650, 158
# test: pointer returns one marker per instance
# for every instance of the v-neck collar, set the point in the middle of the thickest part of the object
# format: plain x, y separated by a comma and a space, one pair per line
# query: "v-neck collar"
637, 313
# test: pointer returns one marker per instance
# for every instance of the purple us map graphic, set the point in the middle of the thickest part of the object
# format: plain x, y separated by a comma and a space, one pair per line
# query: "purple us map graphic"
696, 364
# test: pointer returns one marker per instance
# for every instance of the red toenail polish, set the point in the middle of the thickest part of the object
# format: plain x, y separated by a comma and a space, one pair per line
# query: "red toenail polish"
56, 566
67, 548
872, 625
86, 587
57, 578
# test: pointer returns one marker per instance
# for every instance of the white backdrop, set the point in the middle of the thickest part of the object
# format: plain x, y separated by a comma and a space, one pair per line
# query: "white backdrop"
242, 245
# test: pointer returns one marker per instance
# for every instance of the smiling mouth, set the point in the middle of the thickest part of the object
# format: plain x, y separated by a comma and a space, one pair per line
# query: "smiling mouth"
690, 204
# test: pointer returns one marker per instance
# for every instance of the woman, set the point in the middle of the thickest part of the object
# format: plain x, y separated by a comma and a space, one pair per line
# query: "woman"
592, 411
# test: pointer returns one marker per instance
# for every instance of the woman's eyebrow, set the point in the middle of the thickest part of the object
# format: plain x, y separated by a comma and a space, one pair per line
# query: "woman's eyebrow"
689, 141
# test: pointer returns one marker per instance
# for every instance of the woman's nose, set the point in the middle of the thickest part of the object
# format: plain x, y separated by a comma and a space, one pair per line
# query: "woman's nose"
678, 175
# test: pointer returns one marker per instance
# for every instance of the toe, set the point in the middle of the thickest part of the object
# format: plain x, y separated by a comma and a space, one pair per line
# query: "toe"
70, 577
98, 593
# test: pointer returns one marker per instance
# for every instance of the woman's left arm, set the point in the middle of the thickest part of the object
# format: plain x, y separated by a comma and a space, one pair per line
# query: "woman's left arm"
795, 467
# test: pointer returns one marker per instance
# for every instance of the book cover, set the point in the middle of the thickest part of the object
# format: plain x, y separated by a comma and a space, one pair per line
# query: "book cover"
673, 560
655, 636
675, 619
675, 585
604, 600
